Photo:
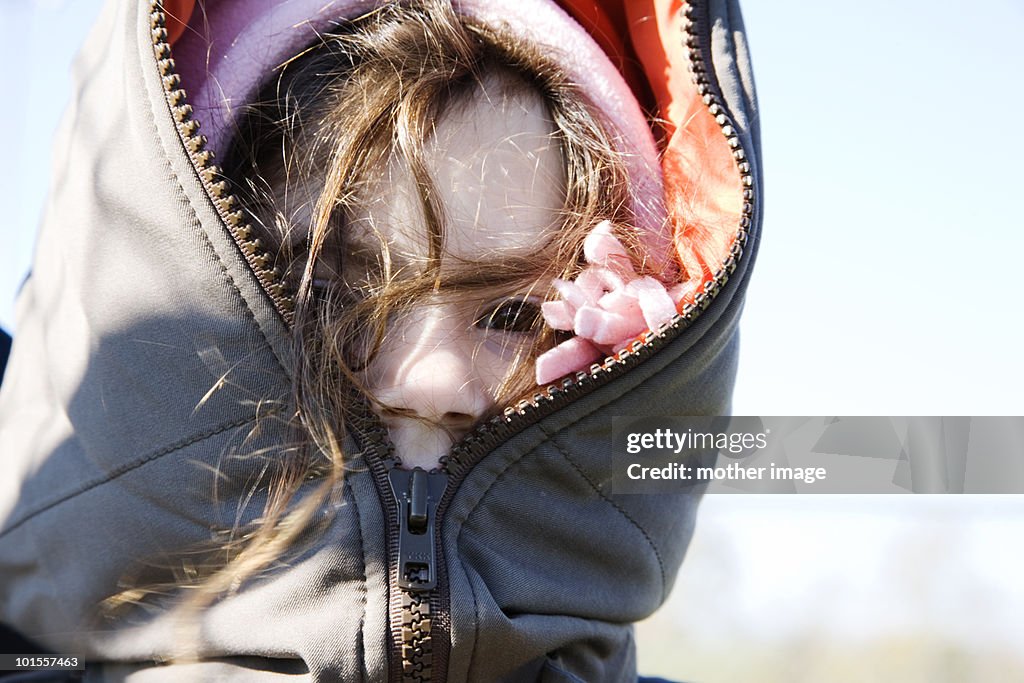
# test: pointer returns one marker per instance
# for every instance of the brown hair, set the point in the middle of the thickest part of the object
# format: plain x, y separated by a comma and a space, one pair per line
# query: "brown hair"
321, 131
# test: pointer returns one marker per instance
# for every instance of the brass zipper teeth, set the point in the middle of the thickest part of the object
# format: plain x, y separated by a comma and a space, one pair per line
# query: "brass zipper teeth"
417, 648
410, 612
217, 187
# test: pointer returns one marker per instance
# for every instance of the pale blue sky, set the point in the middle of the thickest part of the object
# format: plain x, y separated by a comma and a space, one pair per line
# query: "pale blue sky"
38, 39
886, 282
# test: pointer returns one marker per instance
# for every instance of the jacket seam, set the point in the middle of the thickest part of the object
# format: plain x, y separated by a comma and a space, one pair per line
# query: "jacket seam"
231, 282
476, 606
124, 469
619, 508
249, 313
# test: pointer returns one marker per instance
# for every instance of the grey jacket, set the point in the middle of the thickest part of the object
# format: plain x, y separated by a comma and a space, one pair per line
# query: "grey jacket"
149, 341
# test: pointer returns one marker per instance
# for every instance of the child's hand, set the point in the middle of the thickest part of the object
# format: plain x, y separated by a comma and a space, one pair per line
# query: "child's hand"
607, 306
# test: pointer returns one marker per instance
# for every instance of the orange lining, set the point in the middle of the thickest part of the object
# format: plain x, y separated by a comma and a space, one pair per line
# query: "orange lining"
178, 13
703, 190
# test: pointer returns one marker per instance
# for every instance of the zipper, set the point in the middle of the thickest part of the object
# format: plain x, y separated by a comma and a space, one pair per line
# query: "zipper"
418, 493
228, 207
409, 499
414, 501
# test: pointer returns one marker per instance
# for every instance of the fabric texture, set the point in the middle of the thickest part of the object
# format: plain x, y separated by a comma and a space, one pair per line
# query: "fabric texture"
148, 352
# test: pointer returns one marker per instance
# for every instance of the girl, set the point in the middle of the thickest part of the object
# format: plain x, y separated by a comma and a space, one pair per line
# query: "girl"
355, 383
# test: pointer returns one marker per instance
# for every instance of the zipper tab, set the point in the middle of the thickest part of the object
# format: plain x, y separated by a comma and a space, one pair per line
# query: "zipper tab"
419, 512
417, 493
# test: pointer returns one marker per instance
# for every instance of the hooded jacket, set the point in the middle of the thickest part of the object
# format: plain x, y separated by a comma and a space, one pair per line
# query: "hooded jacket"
151, 338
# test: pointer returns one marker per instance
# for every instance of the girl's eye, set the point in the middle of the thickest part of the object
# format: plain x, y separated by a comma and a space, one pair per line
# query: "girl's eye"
511, 315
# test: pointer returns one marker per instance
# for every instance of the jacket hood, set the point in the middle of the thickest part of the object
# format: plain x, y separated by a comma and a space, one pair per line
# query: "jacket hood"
153, 347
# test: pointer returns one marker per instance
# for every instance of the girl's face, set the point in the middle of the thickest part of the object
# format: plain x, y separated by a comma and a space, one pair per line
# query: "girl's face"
499, 174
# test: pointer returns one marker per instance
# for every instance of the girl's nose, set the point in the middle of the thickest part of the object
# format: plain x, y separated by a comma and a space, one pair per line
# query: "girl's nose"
426, 379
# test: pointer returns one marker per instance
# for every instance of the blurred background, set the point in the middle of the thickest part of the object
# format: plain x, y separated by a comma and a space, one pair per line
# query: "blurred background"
846, 589
886, 284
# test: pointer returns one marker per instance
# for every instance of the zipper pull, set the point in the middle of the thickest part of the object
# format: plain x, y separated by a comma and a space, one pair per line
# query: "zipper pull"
417, 492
